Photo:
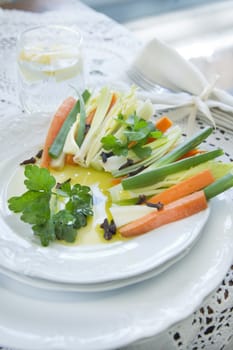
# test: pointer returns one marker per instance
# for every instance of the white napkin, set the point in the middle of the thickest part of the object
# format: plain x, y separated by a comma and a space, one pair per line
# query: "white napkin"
190, 94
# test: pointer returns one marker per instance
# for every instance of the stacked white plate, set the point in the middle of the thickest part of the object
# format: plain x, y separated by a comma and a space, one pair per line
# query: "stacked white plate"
103, 296
93, 268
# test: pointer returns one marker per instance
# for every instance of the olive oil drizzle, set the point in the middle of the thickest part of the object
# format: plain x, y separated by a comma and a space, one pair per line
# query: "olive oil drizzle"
100, 182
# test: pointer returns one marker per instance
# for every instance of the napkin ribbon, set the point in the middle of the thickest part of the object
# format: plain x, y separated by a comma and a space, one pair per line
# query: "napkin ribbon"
188, 93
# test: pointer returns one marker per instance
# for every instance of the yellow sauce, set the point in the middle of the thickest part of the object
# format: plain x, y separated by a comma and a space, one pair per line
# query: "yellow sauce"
84, 176
99, 182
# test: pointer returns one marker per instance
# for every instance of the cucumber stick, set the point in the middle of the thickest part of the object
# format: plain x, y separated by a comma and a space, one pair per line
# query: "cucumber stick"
58, 144
183, 148
153, 176
219, 186
82, 123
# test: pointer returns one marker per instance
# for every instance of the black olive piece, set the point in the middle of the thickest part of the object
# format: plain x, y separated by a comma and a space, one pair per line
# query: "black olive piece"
31, 160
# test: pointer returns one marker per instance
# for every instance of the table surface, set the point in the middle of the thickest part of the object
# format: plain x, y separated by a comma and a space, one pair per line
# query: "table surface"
209, 327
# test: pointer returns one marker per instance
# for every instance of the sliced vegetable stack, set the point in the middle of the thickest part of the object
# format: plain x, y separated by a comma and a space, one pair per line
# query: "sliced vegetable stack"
180, 206
158, 176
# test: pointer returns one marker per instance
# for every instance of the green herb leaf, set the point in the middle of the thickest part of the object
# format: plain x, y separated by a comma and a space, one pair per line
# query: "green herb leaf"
34, 206
142, 152
156, 134
137, 130
64, 189
111, 143
136, 135
38, 179
45, 232
38, 209
80, 202
64, 223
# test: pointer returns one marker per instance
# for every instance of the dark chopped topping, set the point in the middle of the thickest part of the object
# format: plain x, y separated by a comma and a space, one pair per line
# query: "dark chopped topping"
87, 127
126, 164
105, 156
141, 199
132, 173
58, 185
31, 160
158, 205
39, 154
112, 227
109, 229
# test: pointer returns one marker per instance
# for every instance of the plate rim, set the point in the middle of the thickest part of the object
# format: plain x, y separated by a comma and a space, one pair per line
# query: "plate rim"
138, 328
25, 252
25, 123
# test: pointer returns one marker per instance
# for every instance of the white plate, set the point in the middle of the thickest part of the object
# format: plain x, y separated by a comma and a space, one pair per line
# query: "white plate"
78, 264
35, 319
89, 264
93, 287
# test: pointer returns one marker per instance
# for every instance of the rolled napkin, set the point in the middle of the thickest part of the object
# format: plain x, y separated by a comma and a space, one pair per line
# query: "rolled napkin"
188, 93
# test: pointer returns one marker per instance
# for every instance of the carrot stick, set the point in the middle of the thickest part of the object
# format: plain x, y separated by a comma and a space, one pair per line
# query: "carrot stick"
194, 183
113, 101
69, 159
171, 212
163, 124
132, 144
57, 121
117, 180
90, 116
191, 153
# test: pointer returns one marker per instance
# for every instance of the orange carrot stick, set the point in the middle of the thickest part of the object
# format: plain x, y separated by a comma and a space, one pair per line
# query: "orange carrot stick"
117, 180
163, 124
113, 101
56, 124
132, 144
90, 116
70, 159
191, 153
192, 184
171, 212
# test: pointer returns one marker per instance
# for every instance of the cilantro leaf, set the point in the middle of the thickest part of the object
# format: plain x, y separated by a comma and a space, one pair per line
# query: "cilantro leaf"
136, 130
34, 206
37, 206
111, 143
80, 221
80, 203
64, 226
38, 179
136, 135
156, 134
64, 189
45, 232
142, 152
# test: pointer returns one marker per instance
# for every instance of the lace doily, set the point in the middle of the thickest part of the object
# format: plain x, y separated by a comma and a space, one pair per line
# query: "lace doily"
109, 47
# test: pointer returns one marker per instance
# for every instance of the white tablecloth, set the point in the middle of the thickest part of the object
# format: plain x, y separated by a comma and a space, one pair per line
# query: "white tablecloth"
108, 48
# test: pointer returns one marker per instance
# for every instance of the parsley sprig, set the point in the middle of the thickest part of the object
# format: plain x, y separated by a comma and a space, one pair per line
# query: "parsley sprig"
54, 212
136, 133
